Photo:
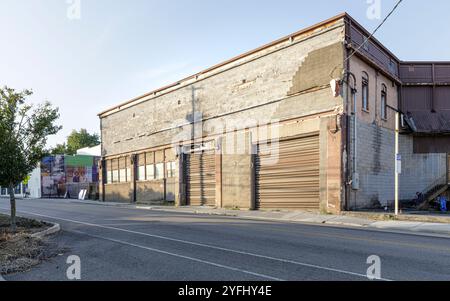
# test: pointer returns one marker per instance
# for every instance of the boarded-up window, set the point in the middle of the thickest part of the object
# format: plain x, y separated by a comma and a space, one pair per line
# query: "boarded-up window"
108, 172
115, 170
150, 166
159, 165
170, 157
171, 168
141, 167
122, 170
128, 168
159, 171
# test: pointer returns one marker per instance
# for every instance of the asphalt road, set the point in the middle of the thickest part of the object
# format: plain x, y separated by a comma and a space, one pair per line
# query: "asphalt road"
131, 244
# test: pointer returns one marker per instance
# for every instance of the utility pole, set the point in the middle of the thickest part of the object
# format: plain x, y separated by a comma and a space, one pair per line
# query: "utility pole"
398, 161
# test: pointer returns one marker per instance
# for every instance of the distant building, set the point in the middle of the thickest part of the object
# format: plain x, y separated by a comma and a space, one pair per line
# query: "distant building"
34, 184
30, 188
91, 151
19, 191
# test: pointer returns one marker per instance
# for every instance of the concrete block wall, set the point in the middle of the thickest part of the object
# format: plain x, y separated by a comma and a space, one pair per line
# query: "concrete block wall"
376, 142
420, 171
119, 192
376, 168
149, 192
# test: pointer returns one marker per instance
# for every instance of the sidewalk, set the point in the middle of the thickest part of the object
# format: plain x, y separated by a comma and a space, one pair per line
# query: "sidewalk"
408, 222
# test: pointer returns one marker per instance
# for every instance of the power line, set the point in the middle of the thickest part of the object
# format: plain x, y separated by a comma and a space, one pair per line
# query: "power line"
371, 35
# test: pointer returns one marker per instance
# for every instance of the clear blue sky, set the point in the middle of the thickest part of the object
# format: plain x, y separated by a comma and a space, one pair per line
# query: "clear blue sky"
120, 49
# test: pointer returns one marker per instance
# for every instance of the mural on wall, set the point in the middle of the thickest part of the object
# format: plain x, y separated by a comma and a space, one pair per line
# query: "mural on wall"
53, 176
61, 173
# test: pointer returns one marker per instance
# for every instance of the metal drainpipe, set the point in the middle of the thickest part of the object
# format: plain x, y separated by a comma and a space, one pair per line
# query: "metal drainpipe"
355, 133
354, 129
355, 141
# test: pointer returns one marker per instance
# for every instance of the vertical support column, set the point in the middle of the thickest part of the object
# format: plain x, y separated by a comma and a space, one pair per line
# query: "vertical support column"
181, 198
101, 179
253, 154
134, 168
165, 174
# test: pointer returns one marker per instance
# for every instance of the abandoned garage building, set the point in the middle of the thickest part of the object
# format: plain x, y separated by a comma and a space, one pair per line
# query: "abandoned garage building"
305, 122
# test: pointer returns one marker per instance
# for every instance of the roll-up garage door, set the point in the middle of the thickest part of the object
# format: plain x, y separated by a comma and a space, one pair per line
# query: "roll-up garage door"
201, 179
287, 174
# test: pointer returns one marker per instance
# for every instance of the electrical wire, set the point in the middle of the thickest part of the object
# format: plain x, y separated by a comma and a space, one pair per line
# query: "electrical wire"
371, 35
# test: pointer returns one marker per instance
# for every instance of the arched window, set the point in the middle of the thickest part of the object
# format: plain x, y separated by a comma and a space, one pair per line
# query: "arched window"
384, 102
365, 91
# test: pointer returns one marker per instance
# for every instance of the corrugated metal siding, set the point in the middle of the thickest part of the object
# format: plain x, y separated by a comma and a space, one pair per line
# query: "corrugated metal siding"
374, 52
432, 144
414, 74
442, 73
442, 98
201, 179
426, 95
417, 99
287, 174
432, 123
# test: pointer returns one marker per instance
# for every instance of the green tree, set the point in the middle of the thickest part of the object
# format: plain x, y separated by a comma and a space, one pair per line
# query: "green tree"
59, 149
77, 140
24, 129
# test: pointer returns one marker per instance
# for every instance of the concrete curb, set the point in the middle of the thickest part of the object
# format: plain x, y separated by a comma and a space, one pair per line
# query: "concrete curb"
411, 227
444, 219
362, 221
323, 220
52, 230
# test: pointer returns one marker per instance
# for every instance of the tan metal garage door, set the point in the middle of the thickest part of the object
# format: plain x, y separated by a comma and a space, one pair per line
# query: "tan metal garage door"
201, 179
287, 174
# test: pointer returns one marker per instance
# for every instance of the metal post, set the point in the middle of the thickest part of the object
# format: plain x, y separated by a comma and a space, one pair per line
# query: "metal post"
397, 171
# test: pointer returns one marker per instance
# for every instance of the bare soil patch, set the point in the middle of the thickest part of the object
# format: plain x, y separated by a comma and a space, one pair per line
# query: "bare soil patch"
19, 251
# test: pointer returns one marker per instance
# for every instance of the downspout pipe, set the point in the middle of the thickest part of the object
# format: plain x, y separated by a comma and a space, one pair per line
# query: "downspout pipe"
351, 99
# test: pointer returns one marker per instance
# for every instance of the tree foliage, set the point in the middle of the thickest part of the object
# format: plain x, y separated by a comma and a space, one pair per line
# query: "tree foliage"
24, 129
59, 149
81, 139
76, 140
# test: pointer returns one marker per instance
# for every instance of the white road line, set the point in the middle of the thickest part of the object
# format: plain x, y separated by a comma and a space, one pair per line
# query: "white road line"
207, 246
182, 256
1, 278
